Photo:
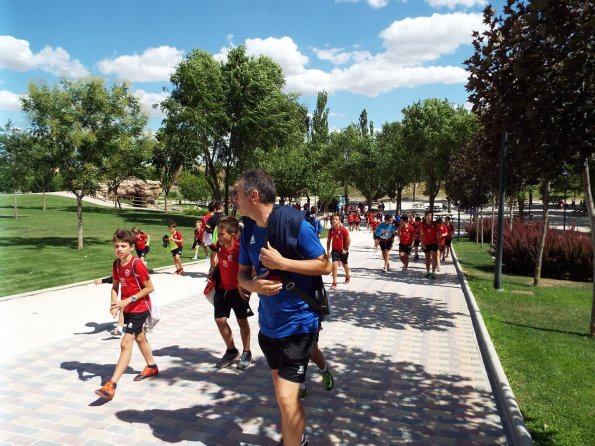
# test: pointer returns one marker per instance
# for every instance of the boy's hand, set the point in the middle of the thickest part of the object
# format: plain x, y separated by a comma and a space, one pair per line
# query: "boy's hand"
114, 311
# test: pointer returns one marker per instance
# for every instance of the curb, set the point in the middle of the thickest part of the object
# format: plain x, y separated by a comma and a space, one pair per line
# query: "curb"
516, 428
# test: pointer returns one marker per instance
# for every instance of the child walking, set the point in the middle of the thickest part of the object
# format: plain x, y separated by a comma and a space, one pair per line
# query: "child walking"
198, 236
227, 296
132, 277
141, 243
338, 236
176, 253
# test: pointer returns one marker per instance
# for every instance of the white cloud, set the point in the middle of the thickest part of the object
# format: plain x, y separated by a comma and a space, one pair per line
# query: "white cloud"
15, 54
373, 3
455, 3
10, 101
155, 64
147, 101
410, 46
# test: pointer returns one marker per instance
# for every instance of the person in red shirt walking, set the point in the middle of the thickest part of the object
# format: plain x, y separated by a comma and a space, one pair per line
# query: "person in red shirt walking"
176, 253
430, 238
441, 247
131, 277
198, 236
227, 296
338, 236
405, 241
141, 244
450, 230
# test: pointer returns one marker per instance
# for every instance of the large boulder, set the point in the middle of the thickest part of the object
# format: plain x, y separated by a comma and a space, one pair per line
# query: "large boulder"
142, 193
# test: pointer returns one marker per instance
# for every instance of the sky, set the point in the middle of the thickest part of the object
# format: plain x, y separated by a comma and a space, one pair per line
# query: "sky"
381, 55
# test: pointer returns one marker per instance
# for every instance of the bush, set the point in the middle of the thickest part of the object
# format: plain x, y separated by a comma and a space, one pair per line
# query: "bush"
567, 254
471, 230
198, 212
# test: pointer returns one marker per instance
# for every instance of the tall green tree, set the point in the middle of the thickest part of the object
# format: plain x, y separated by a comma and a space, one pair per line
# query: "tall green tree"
84, 124
193, 186
15, 157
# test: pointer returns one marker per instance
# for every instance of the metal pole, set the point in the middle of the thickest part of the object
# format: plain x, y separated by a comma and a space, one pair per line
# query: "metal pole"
565, 192
459, 224
500, 237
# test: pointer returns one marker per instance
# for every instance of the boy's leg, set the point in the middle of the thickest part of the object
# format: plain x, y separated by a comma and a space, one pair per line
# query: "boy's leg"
145, 348
334, 271
347, 274
225, 331
435, 262
292, 412
428, 257
125, 355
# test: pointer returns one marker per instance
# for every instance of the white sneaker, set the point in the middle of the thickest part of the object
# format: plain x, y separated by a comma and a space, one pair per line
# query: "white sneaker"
194, 258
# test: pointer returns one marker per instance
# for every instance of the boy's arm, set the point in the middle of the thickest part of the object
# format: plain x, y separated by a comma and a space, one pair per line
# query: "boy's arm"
347, 242
148, 239
144, 292
114, 297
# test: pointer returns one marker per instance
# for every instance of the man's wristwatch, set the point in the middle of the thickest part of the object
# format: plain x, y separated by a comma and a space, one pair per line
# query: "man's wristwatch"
133, 298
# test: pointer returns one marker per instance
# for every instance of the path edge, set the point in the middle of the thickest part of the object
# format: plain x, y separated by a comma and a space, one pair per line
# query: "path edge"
514, 421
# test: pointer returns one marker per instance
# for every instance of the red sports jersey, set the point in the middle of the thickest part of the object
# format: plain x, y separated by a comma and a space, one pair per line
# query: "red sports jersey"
451, 231
416, 231
338, 238
373, 225
229, 264
350, 218
405, 235
178, 236
430, 233
140, 241
205, 219
371, 217
198, 234
443, 232
131, 284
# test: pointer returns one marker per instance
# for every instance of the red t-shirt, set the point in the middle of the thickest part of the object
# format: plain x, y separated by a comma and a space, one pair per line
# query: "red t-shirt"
430, 233
198, 233
374, 224
350, 218
338, 238
371, 218
140, 241
205, 219
451, 230
131, 285
178, 236
405, 235
229, 264
416, 231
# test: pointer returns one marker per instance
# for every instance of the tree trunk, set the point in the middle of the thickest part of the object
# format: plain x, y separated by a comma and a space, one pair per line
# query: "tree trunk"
44, 200
539, 259
476, 228
493, 220
399, 198
591, 213
481, 224
79, 219
346, 198
511, 211
521, 199
165, 203
414, 189
16, 214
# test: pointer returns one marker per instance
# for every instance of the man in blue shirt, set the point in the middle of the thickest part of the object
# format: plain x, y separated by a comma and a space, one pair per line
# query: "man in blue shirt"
288, 326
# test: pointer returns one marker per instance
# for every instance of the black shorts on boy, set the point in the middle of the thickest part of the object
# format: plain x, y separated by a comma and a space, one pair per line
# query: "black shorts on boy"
405, 248
133, 322
290, 355
336, 256
416, 243
226, 300
176, 252
433, 248
448, 242
142, 252
386, 245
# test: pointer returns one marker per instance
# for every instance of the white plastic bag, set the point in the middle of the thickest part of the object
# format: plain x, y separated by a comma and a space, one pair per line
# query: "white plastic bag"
154, 316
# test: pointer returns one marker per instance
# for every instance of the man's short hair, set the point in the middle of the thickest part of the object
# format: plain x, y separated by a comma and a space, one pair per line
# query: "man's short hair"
260, 181
123, 235
229, 224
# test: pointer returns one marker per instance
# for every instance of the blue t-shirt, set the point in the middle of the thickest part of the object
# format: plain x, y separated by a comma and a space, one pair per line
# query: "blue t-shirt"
284, 314
385, 231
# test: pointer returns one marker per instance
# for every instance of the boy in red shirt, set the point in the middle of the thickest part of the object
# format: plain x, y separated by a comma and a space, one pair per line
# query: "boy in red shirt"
339, 236
141, 243
227, 296
198, 236
443, 233
405, 240
176, 253
133, 278
430, 238
450, 230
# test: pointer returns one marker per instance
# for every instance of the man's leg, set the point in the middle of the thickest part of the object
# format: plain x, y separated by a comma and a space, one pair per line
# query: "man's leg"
346, 269
434, 257
292, 412
244, 334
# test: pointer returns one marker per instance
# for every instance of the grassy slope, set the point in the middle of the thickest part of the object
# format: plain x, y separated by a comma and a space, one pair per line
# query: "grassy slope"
543, 343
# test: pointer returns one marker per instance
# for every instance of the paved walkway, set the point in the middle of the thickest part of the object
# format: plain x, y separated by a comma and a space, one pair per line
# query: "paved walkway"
402, 348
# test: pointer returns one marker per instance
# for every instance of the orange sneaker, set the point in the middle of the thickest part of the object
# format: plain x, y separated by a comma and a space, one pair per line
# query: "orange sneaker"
147, 373
108, 391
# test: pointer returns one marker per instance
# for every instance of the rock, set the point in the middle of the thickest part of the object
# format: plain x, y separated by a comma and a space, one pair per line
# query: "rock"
142, 193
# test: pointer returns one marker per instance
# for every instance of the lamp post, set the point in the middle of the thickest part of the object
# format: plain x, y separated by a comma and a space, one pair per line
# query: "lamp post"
500, 238
565, 173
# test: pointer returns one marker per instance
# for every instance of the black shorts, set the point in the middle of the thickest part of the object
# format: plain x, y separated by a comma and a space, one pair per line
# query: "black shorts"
196, 243
225, 300
448, 242
433, 248
405, 248
386, 245
336, 256
290, 355
142, 252
176, 252
416, 243
376, 237
133, 322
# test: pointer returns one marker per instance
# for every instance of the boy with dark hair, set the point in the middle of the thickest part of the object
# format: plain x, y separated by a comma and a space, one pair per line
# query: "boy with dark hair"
386, 234
176, 253
339, 254
405, 241
227, 296
211, 228
132, 277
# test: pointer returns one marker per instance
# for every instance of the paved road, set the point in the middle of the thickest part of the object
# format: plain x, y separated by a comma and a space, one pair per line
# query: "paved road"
403, 350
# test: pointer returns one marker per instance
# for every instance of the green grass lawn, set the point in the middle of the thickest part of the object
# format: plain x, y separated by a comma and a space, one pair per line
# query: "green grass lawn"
544, 345
39, 248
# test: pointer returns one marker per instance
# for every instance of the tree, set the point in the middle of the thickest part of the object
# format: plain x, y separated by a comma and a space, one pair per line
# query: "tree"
193, 186
433, 129
15, 150
83, 123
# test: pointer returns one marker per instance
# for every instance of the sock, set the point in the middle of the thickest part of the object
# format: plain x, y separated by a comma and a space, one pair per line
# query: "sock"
154, 366
323, 370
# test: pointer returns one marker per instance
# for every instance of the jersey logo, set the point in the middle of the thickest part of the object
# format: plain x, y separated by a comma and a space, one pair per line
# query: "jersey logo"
300, 371
252, 240
127, 272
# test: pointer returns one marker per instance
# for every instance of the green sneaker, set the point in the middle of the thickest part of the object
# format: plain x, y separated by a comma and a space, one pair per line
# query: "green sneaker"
433, 276
427, 275
327, 380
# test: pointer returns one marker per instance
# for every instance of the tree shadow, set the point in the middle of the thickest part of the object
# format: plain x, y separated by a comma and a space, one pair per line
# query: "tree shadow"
44, 242
376, 400
551, 330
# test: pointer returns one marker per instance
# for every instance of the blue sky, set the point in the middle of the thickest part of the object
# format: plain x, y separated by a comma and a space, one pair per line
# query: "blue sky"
382, 55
